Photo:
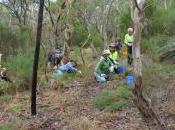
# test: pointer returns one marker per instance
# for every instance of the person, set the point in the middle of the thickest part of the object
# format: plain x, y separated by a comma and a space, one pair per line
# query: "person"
113, 56
103, 68
54, 57
68, 67
129, 43
3, 75
118, 45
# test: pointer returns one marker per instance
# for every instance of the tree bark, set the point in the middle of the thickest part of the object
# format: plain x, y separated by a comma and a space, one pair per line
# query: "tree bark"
141, 103
36, 58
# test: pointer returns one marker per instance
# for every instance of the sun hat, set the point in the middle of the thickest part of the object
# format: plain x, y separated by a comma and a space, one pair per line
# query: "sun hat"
106, 52
130, 30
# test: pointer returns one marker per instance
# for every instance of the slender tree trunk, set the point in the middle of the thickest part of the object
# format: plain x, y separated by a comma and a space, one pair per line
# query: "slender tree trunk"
141, 103
36, 58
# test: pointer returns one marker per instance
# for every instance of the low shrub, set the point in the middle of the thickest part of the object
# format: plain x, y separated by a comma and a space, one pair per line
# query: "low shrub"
20, 67
113, 100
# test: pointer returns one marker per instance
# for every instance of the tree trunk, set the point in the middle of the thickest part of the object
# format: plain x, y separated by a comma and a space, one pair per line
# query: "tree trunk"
36, 58
141, 103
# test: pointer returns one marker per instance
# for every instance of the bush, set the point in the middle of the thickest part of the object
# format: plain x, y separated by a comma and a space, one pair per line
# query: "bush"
112, 100
20, 66
80, 34
151, 44
160, 19
6, 126
6, 88
13, 38
96, 39
125, 21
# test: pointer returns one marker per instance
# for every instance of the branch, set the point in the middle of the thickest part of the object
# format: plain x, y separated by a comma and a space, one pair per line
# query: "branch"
137, 6
50, 15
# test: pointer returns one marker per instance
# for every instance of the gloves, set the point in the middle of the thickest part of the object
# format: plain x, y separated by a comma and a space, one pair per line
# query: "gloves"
103, 75
111, 69
79, 71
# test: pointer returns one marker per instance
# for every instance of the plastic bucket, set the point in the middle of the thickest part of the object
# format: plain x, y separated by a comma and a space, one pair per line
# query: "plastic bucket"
130, 80
121, 69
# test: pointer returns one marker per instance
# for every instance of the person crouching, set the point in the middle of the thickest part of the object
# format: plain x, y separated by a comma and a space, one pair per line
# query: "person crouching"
4, 76
103, 68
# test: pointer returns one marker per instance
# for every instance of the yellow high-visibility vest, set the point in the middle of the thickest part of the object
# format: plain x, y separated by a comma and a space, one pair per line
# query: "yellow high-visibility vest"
114, 56
128, 40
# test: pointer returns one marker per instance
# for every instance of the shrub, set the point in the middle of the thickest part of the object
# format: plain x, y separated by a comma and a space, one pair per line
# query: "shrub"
13, 38
151, 44
20, 66
125, 21
6, 88
6, 126
112, 100
80, 34
96, 39
160, 19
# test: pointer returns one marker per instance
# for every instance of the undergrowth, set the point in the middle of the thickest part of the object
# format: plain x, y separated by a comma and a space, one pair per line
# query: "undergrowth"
6, 126
113, 99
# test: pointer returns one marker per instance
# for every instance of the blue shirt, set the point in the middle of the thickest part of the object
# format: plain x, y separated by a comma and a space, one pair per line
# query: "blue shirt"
69, 67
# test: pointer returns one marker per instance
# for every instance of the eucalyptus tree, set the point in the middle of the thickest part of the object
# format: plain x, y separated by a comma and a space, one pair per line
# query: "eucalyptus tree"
142, 104
17, 8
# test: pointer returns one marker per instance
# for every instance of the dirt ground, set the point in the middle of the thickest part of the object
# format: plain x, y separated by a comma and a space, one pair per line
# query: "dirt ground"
69, 108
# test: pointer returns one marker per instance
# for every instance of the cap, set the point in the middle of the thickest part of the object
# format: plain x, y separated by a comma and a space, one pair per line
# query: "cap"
105, 52
130, 30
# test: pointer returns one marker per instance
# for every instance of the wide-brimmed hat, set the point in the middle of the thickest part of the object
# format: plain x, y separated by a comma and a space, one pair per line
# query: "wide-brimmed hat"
112, 45
106, 52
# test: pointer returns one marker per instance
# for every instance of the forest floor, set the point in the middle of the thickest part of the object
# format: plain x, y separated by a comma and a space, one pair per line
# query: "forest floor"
69, 108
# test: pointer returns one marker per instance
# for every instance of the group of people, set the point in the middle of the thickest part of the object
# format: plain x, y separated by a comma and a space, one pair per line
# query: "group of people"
61, 63
108, 64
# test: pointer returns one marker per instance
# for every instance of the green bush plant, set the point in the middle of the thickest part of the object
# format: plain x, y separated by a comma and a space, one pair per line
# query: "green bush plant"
20, 67
113, 100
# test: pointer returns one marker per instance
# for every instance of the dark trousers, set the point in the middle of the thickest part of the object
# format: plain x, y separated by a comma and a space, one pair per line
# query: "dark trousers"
130, 59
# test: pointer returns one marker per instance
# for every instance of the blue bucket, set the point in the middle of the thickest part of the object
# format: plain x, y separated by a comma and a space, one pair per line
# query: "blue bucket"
130, 80
121, 69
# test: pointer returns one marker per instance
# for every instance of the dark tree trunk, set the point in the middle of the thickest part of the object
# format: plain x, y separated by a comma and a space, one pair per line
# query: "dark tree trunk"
36, 58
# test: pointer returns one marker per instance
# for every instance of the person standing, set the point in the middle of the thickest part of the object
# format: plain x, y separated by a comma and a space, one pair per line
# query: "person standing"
129, 43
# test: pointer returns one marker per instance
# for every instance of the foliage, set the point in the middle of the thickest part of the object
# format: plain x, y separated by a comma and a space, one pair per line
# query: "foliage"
13, 38
112, 100
150, 44
80, 33
6, 126
20, 66
124, 21
96, 39
15, 106
160, 18
167, 51
6, 88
